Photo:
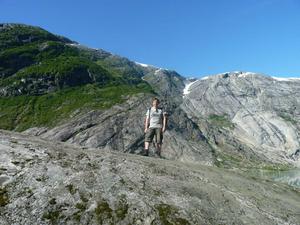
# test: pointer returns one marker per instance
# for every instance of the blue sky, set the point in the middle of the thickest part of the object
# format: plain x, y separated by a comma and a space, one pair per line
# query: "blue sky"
193, 37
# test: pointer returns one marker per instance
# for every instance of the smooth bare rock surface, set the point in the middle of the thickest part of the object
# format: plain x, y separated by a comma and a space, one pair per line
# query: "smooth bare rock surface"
264, 112
48, 182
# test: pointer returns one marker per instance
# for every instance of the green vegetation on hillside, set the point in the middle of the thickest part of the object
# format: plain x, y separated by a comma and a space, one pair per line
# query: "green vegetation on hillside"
16, 58
288, 118
220, 121
231, 161
34, 61
18, 34
21, 112
45, 80
68, 71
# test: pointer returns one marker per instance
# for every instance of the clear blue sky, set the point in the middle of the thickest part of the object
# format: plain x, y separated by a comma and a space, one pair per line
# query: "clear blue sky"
193, 37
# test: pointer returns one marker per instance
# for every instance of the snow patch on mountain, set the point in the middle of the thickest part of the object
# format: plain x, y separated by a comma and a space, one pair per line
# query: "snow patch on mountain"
287, 78
143, 64
157, 71
245, 74
188, 84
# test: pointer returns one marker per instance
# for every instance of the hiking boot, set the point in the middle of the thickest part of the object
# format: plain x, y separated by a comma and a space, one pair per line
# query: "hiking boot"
157, 153
145, 152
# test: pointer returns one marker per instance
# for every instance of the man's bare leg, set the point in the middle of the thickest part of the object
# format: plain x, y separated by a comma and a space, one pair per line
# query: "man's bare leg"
147, 145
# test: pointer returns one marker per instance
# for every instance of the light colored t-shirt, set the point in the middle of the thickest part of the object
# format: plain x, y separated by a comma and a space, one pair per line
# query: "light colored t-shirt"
156, 117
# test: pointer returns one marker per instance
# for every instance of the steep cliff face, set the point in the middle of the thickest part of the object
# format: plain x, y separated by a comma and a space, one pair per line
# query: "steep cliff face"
252, 115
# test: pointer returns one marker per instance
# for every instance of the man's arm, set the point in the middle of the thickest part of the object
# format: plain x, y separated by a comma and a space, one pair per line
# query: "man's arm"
147, 120
164, 121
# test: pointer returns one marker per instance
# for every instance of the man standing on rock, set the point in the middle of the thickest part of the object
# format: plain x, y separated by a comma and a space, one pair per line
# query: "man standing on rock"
155, 125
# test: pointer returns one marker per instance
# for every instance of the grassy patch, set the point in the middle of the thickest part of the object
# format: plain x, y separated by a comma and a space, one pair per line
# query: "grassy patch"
220, 121
107, 215
228, 161
169, 215
275, 167
52, 216
71, 189
287, 118
103, 211
122, 208
3, 197
81, 206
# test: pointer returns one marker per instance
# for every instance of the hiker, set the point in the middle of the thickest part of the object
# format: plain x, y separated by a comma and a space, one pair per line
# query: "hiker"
155, 125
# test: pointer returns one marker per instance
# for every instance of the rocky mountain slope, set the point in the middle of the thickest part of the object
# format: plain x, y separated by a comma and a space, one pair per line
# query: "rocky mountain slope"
256, 116
48, 182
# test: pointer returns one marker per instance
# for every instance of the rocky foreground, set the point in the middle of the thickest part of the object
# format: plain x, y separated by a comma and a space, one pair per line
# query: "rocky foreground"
48, 182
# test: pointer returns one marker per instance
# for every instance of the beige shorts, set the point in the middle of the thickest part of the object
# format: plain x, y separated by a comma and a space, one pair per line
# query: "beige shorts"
154, 132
